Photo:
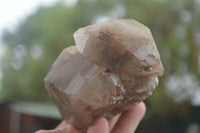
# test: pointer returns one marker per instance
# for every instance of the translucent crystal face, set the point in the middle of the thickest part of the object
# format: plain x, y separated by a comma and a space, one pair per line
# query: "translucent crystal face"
113, 66
122, 45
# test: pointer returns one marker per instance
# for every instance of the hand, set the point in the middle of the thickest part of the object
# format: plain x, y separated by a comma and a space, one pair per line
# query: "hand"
126, 122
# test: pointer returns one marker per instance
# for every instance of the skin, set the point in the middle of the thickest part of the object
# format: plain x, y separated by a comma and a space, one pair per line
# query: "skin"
126, 122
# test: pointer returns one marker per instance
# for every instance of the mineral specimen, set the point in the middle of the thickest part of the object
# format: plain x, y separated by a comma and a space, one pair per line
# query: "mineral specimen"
113, 66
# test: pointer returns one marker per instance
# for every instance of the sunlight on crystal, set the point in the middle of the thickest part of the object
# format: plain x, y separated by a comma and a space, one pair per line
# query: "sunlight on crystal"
36, 52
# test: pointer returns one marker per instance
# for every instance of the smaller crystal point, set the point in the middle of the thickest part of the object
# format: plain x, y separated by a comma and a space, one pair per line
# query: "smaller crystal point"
122, 45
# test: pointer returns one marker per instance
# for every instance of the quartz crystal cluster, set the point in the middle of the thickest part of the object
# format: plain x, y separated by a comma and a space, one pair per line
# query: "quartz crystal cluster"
113, 66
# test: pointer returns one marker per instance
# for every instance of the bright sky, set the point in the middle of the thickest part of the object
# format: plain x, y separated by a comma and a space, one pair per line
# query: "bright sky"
13, 11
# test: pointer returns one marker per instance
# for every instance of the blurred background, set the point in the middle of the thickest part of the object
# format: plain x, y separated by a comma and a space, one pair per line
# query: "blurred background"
34, 32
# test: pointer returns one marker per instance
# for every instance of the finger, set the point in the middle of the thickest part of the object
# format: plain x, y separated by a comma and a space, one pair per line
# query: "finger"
62, 124
67, 129
113, 121
49, 131
129, 120
99, 126
41, 131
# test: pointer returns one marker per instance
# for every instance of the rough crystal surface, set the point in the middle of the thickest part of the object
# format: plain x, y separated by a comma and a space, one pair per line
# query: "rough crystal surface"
123, 45
113, 66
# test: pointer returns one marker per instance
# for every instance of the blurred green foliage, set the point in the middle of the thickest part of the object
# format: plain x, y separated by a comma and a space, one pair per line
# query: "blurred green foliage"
32, 48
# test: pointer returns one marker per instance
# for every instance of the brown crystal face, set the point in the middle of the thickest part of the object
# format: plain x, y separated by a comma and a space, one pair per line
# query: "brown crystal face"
122, 45
113, 66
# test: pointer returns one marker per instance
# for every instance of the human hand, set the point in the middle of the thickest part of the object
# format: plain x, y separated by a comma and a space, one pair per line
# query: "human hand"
126, 122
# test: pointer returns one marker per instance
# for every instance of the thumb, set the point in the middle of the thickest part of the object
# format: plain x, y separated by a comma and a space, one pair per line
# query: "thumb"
99, 126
